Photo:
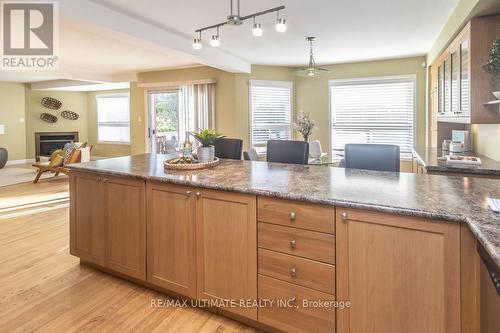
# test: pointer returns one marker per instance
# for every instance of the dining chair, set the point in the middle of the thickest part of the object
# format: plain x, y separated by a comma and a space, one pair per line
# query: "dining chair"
376, 157
251, 155
228, 148
287, 151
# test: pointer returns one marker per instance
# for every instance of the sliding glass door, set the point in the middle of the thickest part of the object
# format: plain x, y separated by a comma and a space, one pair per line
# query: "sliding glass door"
164, 115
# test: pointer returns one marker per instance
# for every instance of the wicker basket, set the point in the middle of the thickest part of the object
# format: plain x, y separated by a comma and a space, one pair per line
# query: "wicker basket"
47, 117
70, 115
51, 103
191, 166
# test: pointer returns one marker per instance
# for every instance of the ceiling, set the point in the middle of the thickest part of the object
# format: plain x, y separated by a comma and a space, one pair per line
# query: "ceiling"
346, 30
113, 40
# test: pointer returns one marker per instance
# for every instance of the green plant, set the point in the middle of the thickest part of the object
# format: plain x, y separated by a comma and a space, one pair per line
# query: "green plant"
493, 65
207, 137
304, 125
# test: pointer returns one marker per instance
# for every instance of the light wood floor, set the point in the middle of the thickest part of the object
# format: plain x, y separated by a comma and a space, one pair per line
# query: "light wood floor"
45, 289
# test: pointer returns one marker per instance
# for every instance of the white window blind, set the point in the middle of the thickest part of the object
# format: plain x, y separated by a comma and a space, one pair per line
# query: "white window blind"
113, 118
377, 110
270, 111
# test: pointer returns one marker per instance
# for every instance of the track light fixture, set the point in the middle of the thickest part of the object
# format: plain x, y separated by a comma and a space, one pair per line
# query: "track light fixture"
257, 29
215, 42
234, 18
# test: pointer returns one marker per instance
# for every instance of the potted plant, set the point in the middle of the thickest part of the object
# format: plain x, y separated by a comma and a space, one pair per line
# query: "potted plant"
493, 67
304, 124
207, 138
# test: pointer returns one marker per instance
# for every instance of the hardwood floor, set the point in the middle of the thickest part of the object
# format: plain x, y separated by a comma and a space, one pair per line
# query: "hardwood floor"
45, 289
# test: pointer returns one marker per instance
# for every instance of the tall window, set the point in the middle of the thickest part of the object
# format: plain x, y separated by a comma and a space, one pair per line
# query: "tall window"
375, 110
113, 118
270, 111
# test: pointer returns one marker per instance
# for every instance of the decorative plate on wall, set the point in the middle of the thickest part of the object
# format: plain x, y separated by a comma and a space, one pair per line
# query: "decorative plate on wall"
51, 103
50, 118
70, 115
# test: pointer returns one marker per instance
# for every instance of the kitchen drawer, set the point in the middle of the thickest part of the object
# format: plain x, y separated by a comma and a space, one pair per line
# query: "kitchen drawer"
302, 243
296, 214
301, 271
294, 318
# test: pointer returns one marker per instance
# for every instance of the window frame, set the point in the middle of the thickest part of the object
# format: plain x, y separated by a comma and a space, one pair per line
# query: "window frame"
111, 95
381, 79
269, 83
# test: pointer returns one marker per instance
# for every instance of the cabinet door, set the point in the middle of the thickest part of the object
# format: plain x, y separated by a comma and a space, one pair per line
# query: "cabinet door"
454, 85
226, 229
126, 224
447, 87
171, 240
401, 274
87, 217
464, 78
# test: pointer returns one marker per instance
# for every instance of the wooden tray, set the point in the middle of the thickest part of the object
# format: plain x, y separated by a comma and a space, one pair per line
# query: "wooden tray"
192, 166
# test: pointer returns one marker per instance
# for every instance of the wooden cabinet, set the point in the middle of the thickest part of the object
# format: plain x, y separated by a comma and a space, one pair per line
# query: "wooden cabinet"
87, 217
226, 237
171, 242
459, 86
399, 270
126, 226
107, 223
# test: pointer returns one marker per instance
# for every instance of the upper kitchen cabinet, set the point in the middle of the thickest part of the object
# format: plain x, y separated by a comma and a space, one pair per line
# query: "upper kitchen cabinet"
460, 86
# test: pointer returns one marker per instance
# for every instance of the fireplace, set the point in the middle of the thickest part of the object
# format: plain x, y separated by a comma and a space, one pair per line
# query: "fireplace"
47, 142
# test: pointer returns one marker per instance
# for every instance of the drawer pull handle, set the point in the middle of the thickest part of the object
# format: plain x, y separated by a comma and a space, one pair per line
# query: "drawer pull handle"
292, 216
293, 244
104, 179
293, 301
293, 272
344, 216
188, 192
198, 194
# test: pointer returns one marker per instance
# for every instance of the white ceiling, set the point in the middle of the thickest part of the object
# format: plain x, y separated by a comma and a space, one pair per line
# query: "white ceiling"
113, 40
347, 30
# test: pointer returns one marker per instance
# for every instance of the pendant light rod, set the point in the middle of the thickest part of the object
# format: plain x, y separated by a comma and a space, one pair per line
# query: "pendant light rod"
267, 11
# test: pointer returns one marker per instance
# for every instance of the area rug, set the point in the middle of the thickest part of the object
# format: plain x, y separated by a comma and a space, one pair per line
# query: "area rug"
12, 175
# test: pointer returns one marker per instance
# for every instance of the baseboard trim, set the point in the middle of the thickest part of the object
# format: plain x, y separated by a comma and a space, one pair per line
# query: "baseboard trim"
16, 162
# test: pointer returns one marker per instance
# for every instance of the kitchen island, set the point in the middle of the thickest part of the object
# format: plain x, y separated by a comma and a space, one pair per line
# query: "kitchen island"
373, 244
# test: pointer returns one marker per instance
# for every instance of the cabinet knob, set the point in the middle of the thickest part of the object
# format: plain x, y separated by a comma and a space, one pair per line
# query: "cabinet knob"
292, 216
344, 216
198, 194
188, 192
104, 179
293, 272
293, 244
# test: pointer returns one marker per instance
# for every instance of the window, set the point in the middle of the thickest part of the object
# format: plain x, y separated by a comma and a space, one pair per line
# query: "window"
379, 110
270, 112
113, 118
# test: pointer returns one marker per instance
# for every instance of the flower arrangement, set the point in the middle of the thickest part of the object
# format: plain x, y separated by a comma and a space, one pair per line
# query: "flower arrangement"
207, 137
304, 124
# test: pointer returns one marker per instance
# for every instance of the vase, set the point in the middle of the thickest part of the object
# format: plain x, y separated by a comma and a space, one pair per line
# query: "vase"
205, 154
4, 155
315, 149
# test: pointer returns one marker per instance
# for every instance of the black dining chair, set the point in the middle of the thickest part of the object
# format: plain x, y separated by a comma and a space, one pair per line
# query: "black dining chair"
371, 157
287, 151
228, 148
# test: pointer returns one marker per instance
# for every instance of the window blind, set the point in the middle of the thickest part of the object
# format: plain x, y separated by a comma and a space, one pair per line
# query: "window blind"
379, 111
271, 109
113, 118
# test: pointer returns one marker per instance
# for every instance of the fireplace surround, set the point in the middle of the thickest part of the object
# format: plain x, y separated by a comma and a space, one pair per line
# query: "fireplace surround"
48, 142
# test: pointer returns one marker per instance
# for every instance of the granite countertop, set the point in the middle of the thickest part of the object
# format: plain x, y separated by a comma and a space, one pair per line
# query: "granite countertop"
451, 198
430, 159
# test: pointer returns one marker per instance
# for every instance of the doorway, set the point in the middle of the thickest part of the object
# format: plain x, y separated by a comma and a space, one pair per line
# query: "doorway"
164, 114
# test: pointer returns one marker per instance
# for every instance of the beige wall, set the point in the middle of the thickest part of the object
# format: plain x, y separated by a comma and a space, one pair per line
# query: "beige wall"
486, 138
74, 101
312, 95
102, 149
12, 115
